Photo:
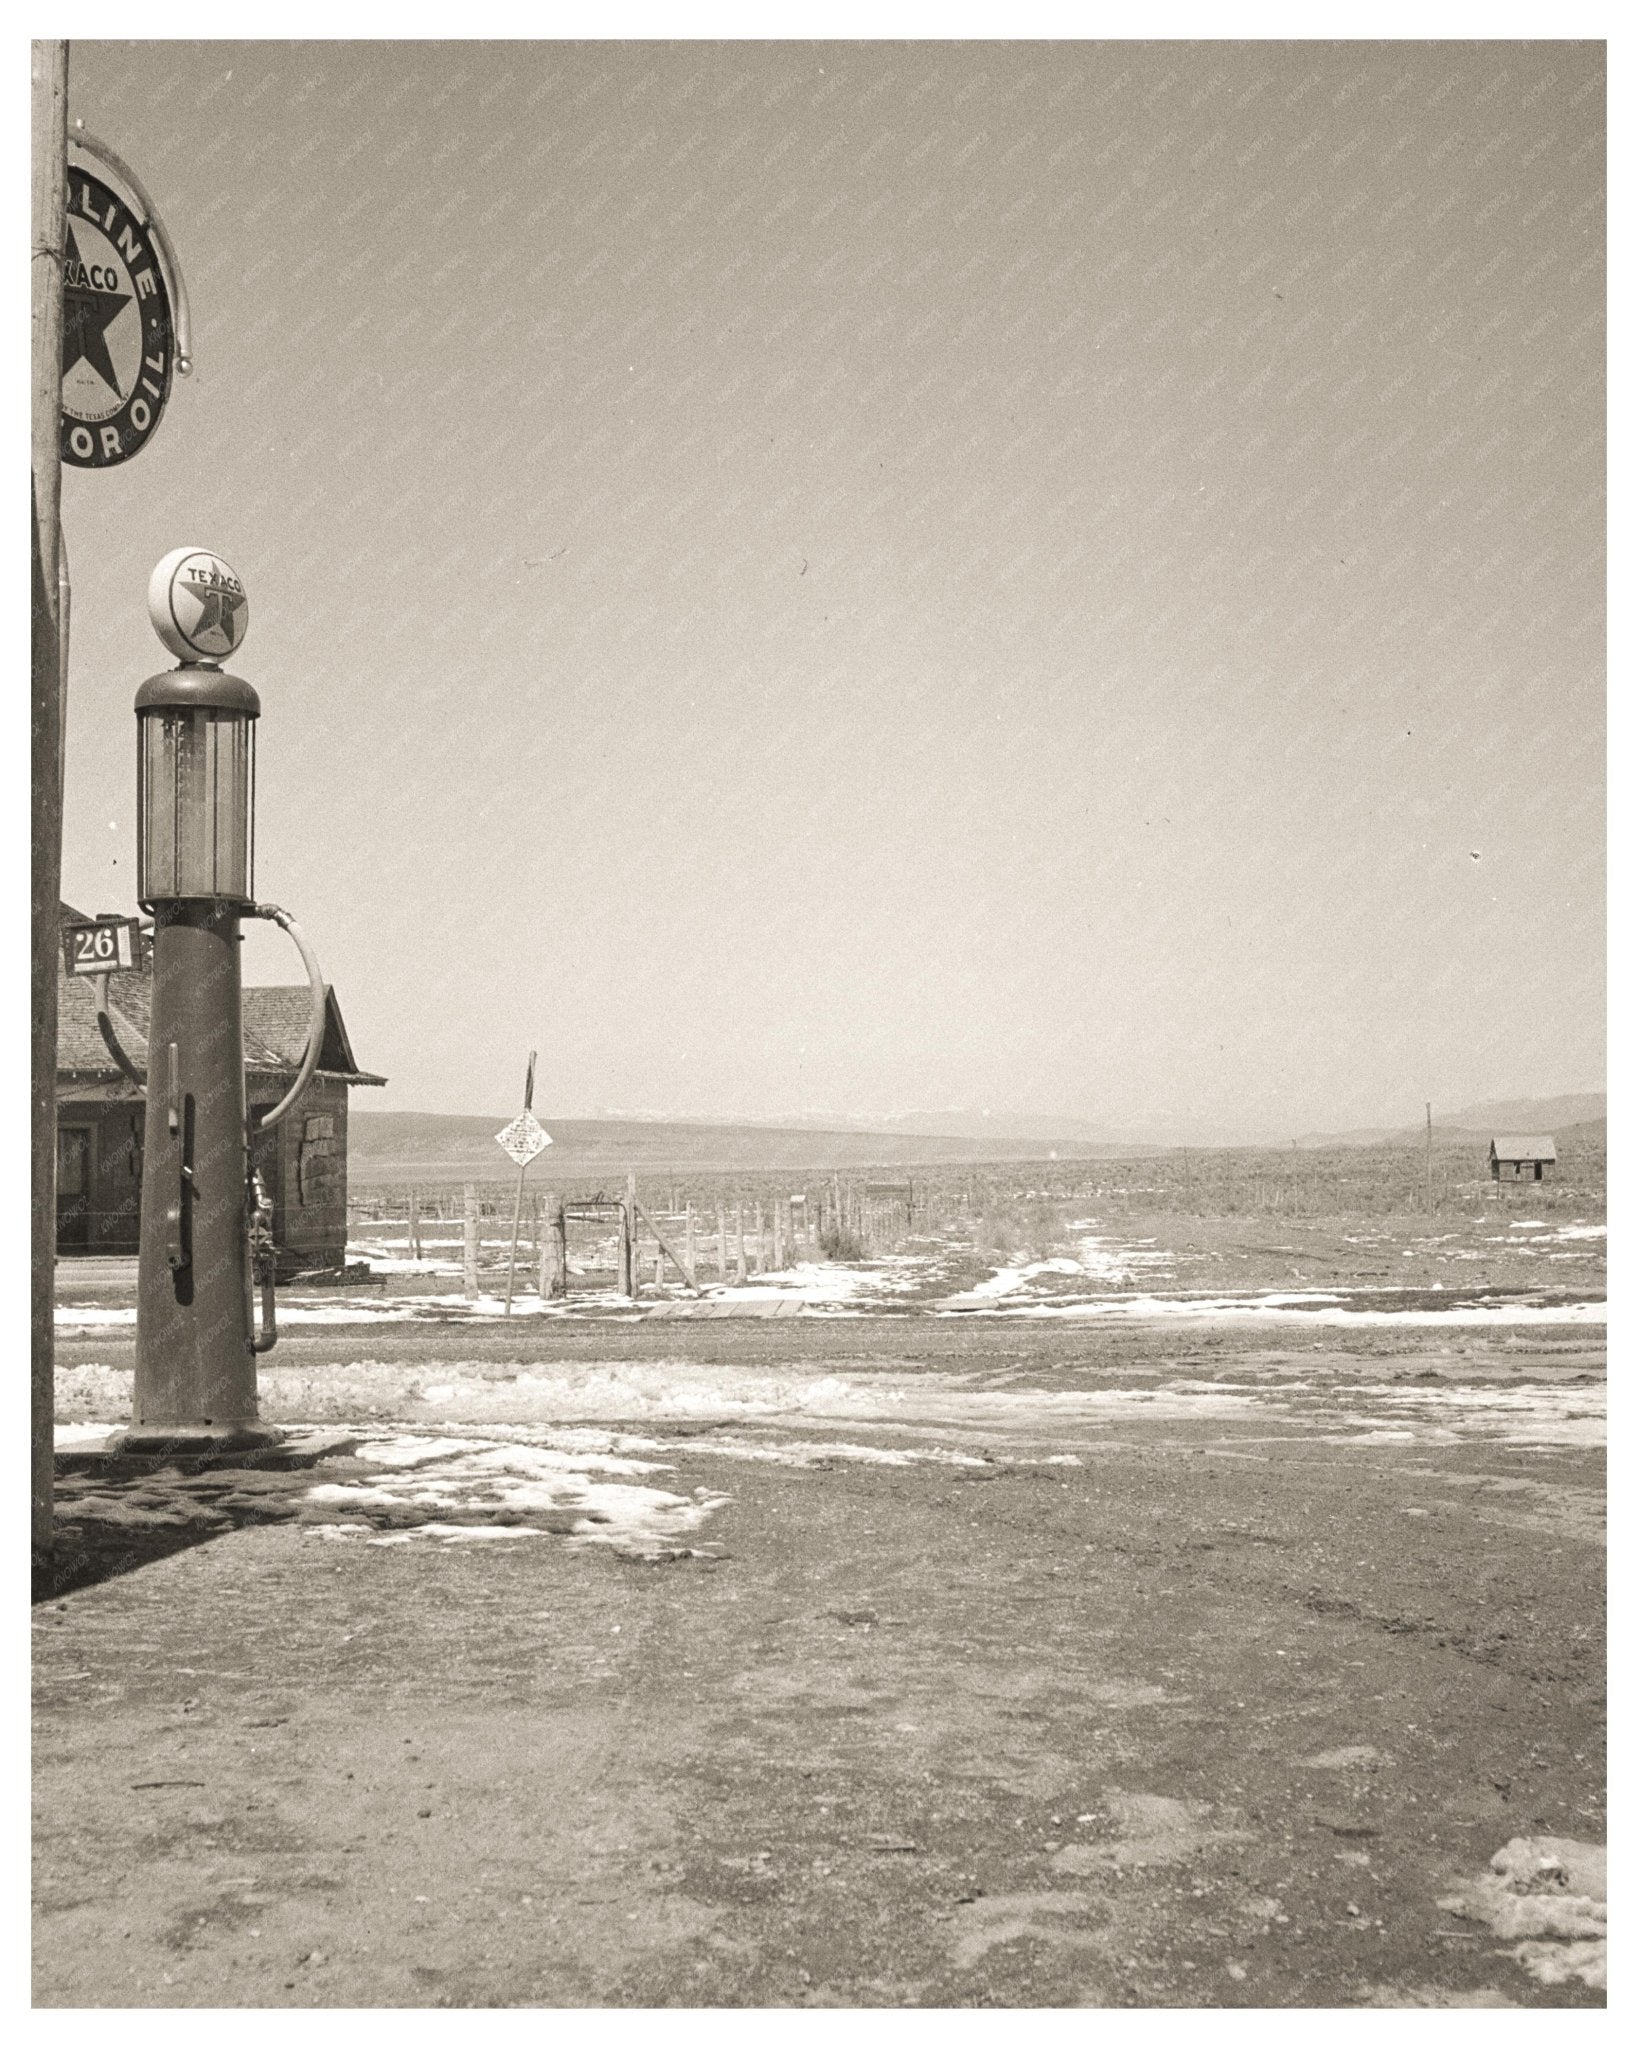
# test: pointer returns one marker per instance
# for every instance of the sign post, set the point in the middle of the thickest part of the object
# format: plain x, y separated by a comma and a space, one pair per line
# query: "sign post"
522, 1140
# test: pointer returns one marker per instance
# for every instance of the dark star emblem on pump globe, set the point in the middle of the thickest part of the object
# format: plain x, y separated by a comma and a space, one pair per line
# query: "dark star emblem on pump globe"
118, 347
198, 606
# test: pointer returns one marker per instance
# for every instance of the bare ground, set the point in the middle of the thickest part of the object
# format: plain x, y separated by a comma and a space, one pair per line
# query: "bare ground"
1215, 1716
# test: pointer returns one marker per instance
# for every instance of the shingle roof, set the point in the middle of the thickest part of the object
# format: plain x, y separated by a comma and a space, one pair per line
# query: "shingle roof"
1525, 1149
275, 1028
276, 1033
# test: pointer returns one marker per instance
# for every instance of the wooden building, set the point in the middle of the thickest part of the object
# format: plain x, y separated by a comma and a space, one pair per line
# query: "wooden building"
1514, 1159
303, 1160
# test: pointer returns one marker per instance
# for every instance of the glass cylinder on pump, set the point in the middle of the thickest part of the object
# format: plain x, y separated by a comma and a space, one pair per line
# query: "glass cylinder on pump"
196, 790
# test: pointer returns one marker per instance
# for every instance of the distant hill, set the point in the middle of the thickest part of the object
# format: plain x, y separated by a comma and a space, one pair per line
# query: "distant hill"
1534, 1113
980, 1127
411, 1145
998, 1135
1553, 1114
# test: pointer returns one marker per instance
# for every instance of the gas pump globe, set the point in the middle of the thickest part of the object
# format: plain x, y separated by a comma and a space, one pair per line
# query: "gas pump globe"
204, 1239
196, 752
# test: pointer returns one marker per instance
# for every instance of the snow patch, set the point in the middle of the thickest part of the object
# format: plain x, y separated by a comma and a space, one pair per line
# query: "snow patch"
68, 1434
1102, 1260
814, 1283
399, 1262
1008, 1279
1548, 1894
535, 1461
1097, 1258
496, 1486
823, 1451
1326, 1310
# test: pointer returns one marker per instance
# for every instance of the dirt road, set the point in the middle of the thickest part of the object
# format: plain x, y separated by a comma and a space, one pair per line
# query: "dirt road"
839, 1664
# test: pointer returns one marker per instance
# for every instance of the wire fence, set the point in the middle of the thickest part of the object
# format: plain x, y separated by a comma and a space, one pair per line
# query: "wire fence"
780, 1216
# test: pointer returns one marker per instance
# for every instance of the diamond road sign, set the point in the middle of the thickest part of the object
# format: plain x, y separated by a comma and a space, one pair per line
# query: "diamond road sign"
523, 1139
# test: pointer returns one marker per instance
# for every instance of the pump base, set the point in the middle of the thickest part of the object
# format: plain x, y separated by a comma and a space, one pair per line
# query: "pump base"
296, 1450
182, 1440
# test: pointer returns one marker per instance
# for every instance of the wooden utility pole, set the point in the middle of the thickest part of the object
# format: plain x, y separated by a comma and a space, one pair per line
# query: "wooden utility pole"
49, 181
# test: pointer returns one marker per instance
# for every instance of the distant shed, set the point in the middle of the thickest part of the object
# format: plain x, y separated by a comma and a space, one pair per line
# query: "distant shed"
1522, 1158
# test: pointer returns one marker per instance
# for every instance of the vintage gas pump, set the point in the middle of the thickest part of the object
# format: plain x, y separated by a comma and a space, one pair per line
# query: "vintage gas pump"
204, 1221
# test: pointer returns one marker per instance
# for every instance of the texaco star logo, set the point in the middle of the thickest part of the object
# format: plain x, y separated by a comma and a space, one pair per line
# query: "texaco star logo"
197, 605
118, 349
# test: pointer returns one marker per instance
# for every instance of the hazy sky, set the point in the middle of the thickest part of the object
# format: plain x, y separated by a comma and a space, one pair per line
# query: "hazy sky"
1055, 577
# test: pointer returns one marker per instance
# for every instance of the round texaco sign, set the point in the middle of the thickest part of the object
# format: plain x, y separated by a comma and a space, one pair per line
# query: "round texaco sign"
197, 605
118, 347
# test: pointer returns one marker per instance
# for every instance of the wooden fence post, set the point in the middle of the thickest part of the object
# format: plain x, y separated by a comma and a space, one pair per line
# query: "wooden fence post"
778, 1238
628, 1239
470, 1268
543, 1265
739, 1234
688, 1246
722, 1243
414, 1224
